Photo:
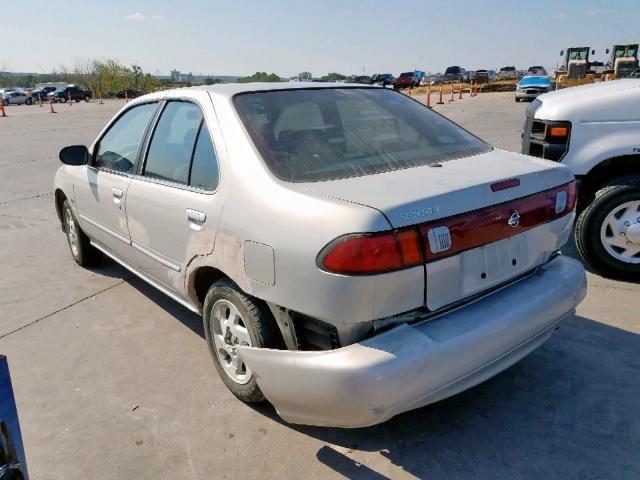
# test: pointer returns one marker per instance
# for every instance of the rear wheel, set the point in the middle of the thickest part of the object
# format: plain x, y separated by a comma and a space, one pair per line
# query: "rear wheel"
608, 232
87, 98
517, 100
62, 99
85, 254
232, 319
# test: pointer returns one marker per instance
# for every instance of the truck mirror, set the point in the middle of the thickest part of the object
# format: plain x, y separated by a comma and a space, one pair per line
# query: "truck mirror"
562, 53
593, 52
607, 51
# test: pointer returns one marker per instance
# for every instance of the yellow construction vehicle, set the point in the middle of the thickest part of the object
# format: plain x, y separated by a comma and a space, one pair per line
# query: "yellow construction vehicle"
624, 61
577, 69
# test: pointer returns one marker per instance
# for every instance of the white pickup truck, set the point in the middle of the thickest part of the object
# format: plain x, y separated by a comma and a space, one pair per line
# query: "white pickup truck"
595, 131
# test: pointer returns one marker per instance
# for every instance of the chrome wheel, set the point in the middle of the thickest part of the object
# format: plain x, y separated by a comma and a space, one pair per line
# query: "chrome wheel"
72, 232
620, 232
229, 331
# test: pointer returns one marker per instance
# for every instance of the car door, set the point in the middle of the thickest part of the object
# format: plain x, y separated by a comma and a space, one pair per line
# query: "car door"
101, 187
172, 205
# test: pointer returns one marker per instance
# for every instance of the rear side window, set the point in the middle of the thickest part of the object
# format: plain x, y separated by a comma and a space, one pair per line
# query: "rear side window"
118, 148
309, 135
204, 167
172, 143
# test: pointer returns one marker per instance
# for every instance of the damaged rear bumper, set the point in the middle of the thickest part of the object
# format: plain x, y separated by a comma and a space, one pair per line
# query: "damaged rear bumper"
411, 366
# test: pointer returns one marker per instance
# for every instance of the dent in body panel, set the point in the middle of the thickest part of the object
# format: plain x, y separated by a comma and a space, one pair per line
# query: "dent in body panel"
221, 251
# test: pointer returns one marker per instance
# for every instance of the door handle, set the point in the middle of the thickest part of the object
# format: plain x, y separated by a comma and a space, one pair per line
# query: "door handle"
195, 216
117, 196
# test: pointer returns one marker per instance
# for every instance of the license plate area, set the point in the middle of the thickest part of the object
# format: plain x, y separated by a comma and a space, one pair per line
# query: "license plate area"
468, 273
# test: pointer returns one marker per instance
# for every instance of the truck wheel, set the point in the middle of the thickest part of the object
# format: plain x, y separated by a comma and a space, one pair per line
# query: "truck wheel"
87, 98
85, 254
232, 318
608, 231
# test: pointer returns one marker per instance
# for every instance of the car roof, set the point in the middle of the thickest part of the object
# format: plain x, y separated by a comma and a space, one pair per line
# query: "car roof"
231, 89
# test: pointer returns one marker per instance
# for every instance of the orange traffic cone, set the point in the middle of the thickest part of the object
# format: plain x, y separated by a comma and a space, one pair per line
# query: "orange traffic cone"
452, 99
2, 112
51, 110
440, 101
429, 96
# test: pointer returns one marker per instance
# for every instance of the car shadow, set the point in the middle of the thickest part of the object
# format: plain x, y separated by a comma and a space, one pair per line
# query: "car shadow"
565, 411
185, 316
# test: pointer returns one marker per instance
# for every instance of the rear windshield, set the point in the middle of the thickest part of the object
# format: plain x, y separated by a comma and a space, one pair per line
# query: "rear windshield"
310, 135
452, 70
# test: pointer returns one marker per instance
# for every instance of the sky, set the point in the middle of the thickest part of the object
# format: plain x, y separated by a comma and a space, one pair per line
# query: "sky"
320, 36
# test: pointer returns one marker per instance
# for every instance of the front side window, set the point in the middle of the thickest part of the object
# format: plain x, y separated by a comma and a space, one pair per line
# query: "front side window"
309, 135
173, 141
118, 148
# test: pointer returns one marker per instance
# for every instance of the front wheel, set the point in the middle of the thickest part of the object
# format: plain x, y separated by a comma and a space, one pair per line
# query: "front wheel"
87, 98
232, 319
608, 232
85, 254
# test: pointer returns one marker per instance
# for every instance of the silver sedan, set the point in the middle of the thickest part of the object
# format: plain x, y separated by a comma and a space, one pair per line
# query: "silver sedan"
352, 253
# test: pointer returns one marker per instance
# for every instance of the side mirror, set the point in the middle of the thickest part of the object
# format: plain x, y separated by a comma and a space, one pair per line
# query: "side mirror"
562, 53
607, 51
593, 52
74, 155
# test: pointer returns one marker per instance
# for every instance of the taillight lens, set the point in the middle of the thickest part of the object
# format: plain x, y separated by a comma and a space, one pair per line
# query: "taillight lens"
373, 253
572, 196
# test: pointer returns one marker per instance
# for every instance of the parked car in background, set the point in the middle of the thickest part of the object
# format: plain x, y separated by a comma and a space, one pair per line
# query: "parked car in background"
43, 92
362, 79
382, 79
530, 87
481, 76
537, 70
456, 74
508, 73
432, 79
73, 92
15, 98
356, 313
128, 93
404, 80
594, 130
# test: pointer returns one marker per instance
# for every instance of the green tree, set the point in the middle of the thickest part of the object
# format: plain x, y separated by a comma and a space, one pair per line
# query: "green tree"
333, 76
306, 75
260, 77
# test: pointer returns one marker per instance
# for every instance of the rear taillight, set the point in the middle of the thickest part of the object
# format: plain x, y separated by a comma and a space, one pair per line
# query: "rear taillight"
361, 254
373, 253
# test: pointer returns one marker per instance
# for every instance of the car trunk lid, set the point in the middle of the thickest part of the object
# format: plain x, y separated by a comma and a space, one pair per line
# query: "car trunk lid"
464, 207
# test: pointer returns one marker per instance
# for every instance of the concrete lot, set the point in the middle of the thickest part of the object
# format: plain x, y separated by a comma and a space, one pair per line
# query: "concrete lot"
114, 380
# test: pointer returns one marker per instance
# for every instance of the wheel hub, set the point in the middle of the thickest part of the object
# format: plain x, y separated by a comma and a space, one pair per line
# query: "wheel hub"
228, 330
620, 232
633, 233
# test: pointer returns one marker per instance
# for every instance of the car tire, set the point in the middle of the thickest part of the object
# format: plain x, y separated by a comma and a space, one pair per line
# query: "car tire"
87, 98
226, 307
77, 100
62, 99
596, 240
85, 254
517, 100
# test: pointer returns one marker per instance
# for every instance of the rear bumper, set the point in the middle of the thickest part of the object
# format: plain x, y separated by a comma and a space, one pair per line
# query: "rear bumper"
414, 365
